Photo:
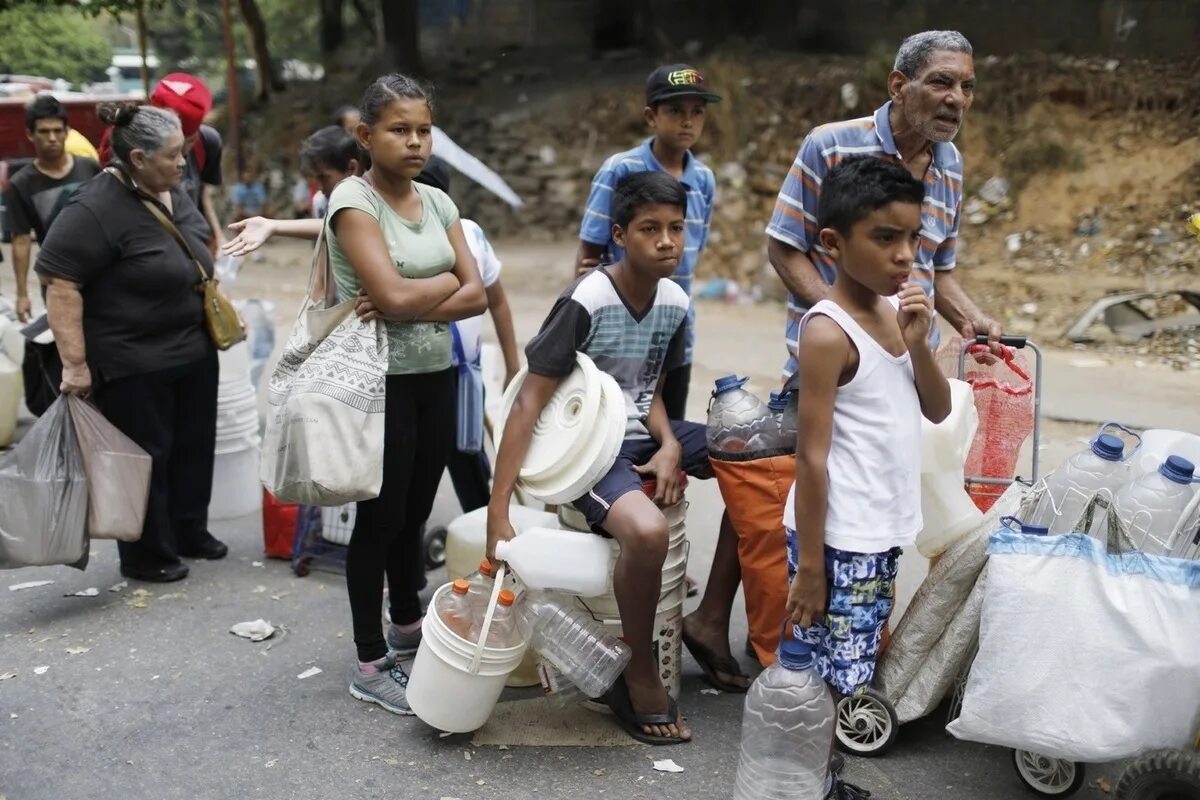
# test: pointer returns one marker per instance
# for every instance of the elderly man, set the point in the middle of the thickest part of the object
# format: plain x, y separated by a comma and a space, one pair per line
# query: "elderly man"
930, 88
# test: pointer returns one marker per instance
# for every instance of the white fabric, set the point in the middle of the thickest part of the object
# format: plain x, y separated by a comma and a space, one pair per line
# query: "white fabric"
471, 329
323, 443
1083, 655
874, 463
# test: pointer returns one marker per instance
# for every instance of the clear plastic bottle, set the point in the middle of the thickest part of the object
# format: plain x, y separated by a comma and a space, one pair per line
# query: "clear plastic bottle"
1151, 506
787, 730
481, 581
1072, 486
503, 632
734, 416
577, 646
454, 610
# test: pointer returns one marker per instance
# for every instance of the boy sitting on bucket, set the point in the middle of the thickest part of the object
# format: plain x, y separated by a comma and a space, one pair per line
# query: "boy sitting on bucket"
867, 376
630, 319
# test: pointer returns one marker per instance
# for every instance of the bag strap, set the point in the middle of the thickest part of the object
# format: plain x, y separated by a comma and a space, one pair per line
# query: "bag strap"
322, 268
153, 207
456, 339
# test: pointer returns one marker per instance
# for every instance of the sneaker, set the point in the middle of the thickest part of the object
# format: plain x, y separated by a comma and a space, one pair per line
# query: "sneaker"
384, 683
846, 791
402, 643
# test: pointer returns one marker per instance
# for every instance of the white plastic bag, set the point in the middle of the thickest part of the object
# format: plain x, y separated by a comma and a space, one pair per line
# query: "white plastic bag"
43, 496
118, 475
323, 444
1084, 655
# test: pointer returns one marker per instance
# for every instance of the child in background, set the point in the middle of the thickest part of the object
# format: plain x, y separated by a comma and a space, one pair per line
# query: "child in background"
630, 318
249, 196
867, 376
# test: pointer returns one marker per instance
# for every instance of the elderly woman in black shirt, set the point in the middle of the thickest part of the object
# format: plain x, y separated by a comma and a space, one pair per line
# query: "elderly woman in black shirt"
129, 325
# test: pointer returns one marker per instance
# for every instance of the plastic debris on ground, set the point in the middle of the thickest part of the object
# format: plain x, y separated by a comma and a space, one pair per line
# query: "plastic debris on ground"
308, 673
16, 587
255, 630
116, 587
41, 670
667, 765
89, 592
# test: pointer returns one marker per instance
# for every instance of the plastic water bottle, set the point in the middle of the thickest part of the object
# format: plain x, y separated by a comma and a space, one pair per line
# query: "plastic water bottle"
480, 592
1151, 506
734, 416
453, 609
1073, 485
572, 561
787, 730
577, 646
503, 632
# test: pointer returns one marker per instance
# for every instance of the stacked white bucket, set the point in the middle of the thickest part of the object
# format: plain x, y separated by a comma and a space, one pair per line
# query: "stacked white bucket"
236, 489
668, 620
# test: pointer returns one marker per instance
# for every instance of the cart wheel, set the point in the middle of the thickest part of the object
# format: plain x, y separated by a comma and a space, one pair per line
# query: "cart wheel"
1161, 775
302, 566
1048, 777
866, 724
435, 547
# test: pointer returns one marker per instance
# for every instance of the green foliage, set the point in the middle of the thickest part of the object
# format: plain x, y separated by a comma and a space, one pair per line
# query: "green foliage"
1038, 153
53, 42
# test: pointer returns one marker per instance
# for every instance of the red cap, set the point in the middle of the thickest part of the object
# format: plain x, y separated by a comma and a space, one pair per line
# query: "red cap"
187, 96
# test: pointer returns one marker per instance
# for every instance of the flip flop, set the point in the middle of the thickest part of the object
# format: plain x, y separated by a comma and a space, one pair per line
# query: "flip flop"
618, 701
693, 588
711, 663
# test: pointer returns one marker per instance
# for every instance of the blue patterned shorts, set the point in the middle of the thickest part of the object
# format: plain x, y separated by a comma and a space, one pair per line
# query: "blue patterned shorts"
862, 591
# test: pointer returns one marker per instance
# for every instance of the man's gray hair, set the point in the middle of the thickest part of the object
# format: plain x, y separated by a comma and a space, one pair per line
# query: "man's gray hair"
915, 51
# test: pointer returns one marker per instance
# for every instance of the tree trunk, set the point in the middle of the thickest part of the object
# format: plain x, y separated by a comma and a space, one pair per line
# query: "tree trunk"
333, 33
269, 77
401, 34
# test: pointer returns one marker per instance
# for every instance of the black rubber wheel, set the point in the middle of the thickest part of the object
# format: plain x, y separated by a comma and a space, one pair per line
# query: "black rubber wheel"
302, 567
1161, 775
866, 724
1048, 777
435, 547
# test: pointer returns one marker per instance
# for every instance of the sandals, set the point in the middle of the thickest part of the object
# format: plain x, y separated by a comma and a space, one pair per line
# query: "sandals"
618, 701
711, 663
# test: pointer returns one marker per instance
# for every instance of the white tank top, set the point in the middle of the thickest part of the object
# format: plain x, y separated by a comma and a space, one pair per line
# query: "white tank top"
874, 464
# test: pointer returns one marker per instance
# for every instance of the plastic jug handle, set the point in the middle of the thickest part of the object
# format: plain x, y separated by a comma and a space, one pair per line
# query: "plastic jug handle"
1118, 426
1012, 523
1017, 342
497, 586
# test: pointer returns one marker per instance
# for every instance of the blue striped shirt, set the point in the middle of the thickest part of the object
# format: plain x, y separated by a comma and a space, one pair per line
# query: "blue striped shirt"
794, 221
701, 187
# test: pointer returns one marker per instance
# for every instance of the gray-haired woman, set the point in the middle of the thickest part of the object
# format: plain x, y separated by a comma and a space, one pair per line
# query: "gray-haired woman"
129, 325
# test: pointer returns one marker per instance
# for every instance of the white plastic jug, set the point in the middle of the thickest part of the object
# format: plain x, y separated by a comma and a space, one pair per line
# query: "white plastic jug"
946, 508
10, 398
466, 535
1157, 444
544, 558
1151, 506
1097, 468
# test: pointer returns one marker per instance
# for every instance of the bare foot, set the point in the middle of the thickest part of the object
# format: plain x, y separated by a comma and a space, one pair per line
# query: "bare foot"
649, 697
709, 645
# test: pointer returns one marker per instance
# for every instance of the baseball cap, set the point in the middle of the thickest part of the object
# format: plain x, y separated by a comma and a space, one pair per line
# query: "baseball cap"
187, 96
677, 80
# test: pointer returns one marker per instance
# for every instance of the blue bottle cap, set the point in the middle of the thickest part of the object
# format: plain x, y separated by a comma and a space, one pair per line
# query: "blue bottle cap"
1177, 469
728, 383
795, 655
1108, 447
777, 403
1037, 530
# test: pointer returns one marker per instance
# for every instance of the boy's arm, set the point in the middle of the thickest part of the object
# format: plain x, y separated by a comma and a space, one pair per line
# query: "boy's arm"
824, 352
595, 229
665, 464
535, 392
915, 316
505, 332
588, 257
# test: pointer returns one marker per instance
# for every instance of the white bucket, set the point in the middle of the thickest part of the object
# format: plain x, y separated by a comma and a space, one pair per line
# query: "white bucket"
667, 637
446, 690
236, 490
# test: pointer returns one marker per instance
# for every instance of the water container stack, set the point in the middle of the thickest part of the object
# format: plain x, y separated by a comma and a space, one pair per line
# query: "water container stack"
236, 489
668, 621
787, 729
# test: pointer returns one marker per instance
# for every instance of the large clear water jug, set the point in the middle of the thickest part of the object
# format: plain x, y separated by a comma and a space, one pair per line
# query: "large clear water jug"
1098, 468
734, 415
773, 433
787, 729
1151, 507
577, 646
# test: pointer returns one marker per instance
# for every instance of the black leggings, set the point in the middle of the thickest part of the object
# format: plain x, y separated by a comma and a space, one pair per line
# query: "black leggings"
417, 437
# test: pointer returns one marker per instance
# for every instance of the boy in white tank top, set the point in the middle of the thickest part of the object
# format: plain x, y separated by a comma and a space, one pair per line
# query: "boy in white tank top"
866, 377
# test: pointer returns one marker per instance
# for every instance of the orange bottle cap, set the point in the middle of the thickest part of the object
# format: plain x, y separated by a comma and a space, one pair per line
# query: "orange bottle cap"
460, 586
485, 567
507, 598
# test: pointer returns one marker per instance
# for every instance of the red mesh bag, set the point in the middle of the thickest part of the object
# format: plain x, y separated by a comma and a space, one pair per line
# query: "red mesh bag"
1004, 398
